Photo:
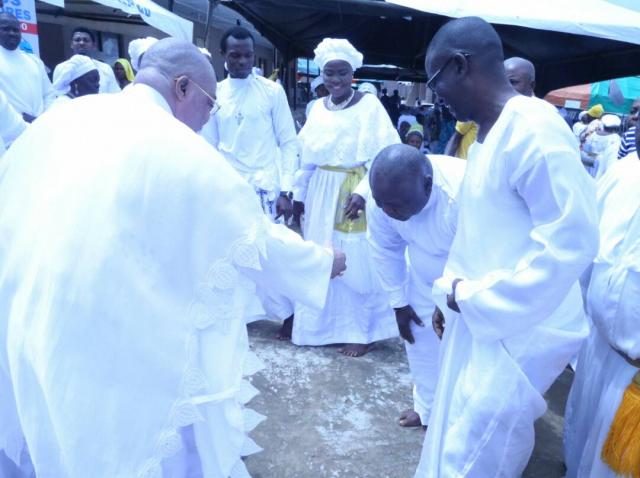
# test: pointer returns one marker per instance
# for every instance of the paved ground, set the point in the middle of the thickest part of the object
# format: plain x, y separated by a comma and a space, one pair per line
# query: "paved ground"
333, 416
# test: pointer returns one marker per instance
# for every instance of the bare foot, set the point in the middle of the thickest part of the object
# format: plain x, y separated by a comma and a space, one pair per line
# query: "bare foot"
354, 350
409, 418
285, 330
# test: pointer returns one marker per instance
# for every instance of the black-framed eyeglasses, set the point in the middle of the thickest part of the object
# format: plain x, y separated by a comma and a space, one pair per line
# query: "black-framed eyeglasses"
431, 84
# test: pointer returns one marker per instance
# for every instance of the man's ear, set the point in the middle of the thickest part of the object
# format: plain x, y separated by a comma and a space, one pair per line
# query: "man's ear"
181, 87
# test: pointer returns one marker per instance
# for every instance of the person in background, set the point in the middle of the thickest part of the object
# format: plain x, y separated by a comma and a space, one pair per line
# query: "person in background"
600, 149
628, 143
137, 48
123, 72
78, 76
415, 136
603, 408
256, 108
319, 91
83, 42
23, 77
521, 74
406, 115
367, 87
403, 129
464, 136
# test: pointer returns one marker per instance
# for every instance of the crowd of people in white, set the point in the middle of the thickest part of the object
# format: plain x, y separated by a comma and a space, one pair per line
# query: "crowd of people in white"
129, 268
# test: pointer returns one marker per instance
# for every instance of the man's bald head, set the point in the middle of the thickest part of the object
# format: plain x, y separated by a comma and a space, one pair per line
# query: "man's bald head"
521, 74
183, 75
401, 178
10, 32
465, 61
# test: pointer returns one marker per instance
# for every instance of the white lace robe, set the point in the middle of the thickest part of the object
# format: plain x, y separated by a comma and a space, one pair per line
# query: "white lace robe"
124, 275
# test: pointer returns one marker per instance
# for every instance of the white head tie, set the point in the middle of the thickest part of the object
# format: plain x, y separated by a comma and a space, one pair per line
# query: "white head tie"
137, 48
70, 70
331, 49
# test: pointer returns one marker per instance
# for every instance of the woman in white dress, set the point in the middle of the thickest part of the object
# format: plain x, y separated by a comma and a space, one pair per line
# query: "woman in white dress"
342, 136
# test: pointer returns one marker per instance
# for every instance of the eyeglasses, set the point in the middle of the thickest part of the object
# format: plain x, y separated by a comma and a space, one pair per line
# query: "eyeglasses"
213, 104
431, 84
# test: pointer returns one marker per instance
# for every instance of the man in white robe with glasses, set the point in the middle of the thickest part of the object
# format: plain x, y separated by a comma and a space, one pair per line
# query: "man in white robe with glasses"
509, 302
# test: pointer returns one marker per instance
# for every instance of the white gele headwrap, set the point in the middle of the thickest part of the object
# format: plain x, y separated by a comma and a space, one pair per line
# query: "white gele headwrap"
331, 49
137, 48
70, 70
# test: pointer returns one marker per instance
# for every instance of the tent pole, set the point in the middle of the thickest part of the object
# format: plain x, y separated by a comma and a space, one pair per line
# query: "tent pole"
212, 6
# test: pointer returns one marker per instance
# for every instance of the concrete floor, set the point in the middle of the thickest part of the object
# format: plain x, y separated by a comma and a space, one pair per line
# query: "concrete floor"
334, 416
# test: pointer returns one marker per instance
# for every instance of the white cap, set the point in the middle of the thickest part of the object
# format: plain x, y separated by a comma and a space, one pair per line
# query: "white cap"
70, 70
611, 121
137, 48
317, 81
367, 87
331, 49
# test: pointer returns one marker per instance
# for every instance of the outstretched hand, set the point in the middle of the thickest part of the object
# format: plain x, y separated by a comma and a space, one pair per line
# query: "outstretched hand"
404, 316
339, 263
354, 206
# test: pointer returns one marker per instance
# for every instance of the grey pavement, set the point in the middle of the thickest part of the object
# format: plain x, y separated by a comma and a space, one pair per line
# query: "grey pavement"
335, 416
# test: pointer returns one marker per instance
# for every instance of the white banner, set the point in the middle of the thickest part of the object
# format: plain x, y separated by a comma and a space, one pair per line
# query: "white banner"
154, 15
596, 18
25, 12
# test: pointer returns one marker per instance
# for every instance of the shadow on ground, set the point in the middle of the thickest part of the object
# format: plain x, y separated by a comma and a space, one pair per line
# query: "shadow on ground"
334, 416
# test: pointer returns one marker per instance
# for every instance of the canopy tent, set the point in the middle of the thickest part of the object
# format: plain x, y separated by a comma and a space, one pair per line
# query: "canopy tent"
388, 33
616, 96
576, 97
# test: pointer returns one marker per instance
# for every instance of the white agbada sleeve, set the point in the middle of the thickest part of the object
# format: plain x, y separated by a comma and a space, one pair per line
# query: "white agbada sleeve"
285, 133
563, 228
388, 256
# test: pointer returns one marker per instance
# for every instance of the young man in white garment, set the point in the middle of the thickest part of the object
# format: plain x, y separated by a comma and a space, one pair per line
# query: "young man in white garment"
607, 382
254, 131
83, 42
23, 77
123, 284
411, 225
509, 301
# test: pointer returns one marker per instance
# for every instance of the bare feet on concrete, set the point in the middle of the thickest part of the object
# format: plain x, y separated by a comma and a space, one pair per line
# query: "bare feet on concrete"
285, 330
354, 350
409, 418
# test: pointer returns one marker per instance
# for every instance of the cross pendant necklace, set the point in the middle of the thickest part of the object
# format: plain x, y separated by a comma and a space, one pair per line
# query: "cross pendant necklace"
239, 117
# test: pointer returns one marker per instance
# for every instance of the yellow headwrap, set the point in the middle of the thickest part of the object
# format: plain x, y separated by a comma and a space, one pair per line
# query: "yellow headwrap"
596, 111
128, 71
416, 128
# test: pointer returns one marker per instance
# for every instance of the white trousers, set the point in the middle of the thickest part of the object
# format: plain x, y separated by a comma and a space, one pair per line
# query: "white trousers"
423, 362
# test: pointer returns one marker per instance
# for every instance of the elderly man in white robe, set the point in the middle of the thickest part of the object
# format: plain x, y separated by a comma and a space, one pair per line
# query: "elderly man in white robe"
412, 223
509, 301
603, 411
254, 131
124, 277
78, 76
23, 77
